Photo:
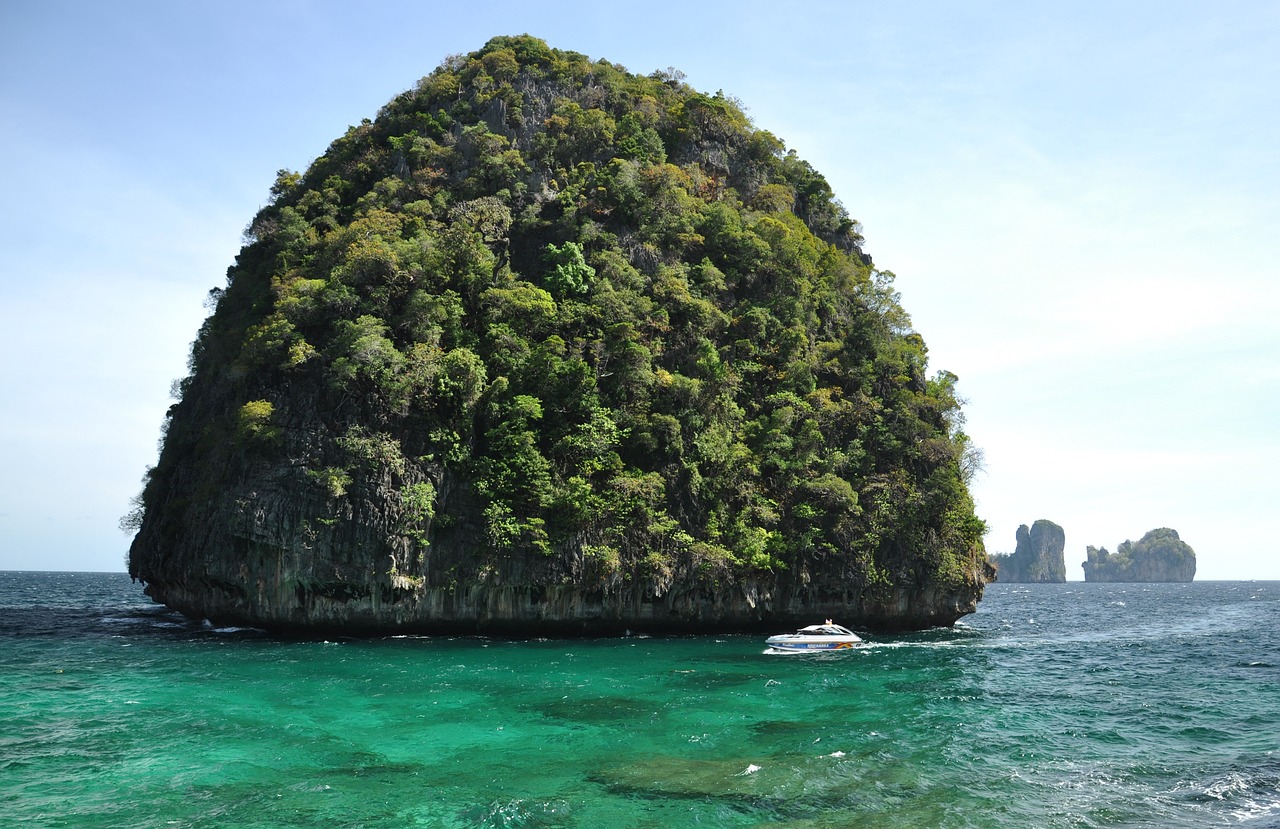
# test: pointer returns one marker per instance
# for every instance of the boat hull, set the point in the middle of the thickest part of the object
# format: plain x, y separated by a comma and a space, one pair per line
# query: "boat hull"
809, 646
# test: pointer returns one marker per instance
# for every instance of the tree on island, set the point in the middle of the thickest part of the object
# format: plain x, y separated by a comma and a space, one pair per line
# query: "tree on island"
1160, 555
1037, 558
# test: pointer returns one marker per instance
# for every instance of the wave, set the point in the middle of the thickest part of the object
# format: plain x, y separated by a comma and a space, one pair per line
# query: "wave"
1248, 795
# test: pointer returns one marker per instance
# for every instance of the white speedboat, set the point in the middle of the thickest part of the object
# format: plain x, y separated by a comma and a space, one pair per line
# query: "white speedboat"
824, 637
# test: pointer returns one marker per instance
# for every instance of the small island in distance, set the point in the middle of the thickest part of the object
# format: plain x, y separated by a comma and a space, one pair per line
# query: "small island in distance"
1160, 555
1038, 556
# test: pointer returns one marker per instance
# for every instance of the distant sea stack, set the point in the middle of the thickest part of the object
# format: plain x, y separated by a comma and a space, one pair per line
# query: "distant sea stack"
551, 348
1038, 557
1160, 555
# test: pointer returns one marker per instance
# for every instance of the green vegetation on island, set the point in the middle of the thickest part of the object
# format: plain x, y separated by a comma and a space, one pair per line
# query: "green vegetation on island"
1038, 557
552, 346
1160, 555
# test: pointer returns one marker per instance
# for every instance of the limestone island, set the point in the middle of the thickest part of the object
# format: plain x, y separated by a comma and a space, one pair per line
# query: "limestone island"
1160, 555
1038, 557
550, 348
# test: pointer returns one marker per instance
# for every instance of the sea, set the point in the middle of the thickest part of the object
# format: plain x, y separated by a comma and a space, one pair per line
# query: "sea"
1055, 705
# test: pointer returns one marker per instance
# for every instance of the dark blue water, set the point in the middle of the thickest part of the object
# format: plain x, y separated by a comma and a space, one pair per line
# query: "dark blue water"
1078, 705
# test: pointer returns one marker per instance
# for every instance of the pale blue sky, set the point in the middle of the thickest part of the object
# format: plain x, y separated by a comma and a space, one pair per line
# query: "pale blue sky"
1080, 200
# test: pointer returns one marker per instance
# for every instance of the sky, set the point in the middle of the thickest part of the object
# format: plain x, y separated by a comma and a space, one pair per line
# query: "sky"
1080, 202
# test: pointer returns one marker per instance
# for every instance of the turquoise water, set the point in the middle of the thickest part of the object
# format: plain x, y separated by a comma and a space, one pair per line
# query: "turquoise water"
1074, 705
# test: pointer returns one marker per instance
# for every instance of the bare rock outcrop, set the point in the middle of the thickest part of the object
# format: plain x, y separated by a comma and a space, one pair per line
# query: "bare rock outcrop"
1038, 557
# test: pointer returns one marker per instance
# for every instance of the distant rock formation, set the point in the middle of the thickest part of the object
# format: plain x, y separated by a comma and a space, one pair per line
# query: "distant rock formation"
1159, 556
1038, 556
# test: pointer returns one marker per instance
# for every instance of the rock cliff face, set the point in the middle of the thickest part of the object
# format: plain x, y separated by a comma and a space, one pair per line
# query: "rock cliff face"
548, 347
1038, 556
1160, 555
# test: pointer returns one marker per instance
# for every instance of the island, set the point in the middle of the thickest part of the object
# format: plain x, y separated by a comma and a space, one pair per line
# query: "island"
1038, 557
547, 347
1159, 556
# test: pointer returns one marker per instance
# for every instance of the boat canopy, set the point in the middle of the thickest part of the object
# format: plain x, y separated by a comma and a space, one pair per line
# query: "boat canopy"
835, 630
